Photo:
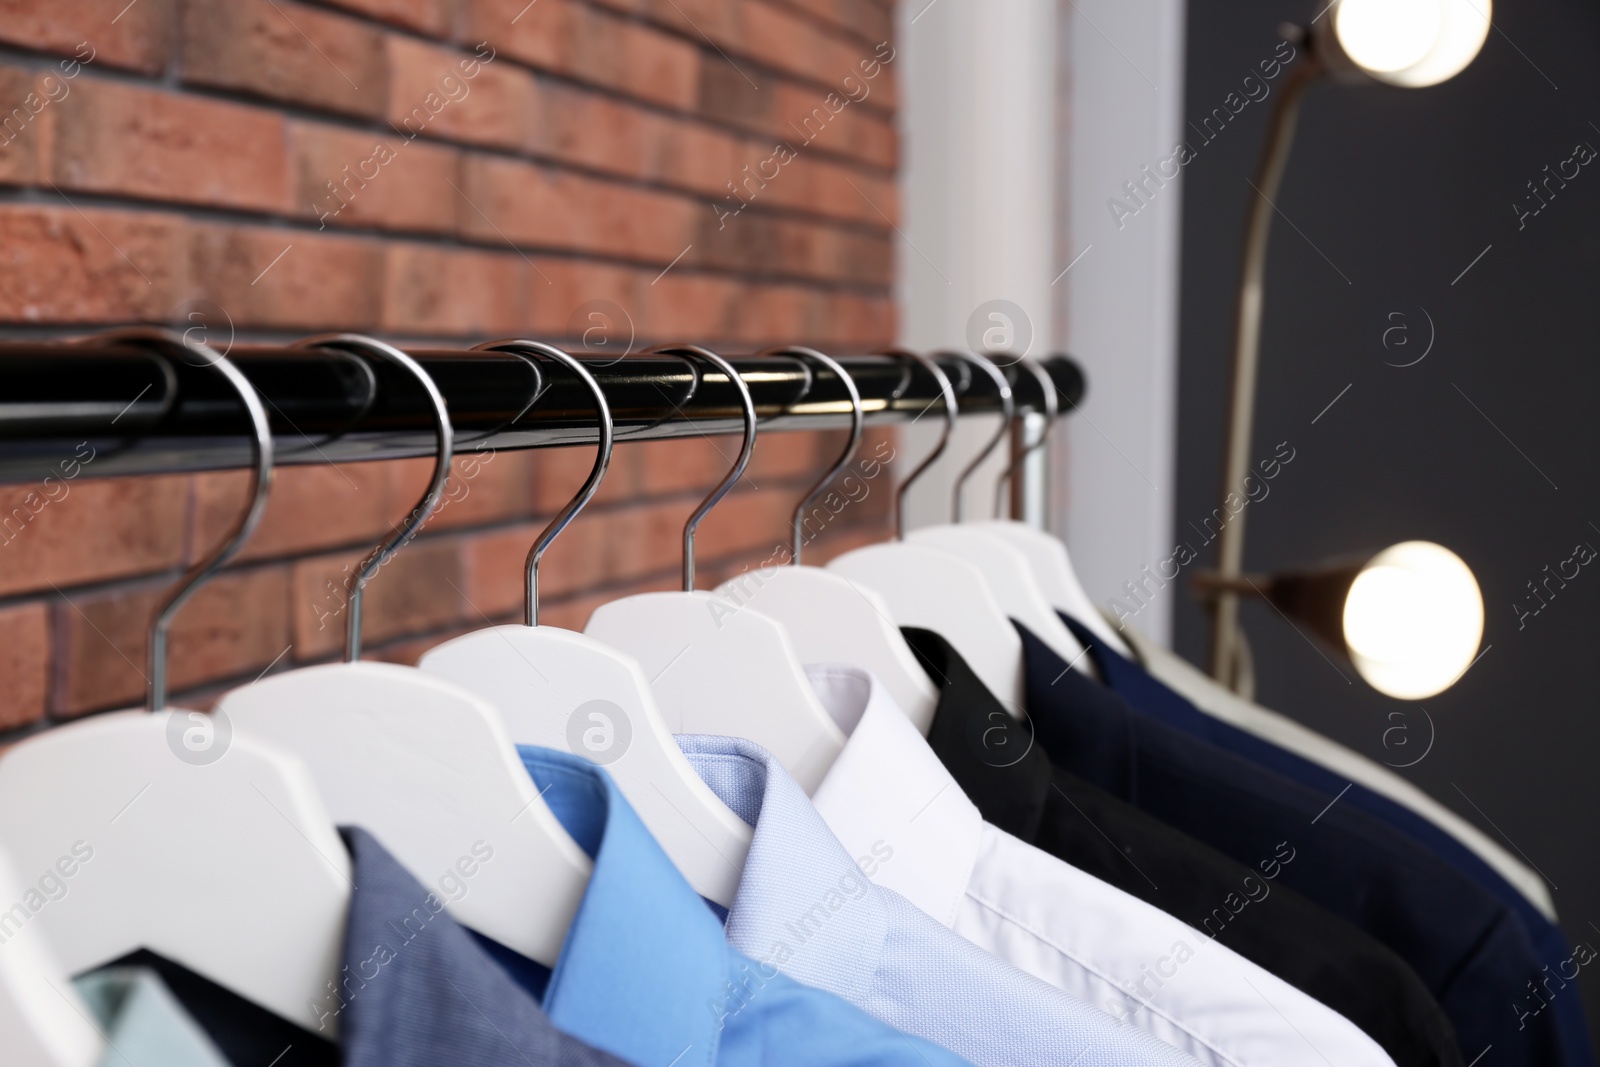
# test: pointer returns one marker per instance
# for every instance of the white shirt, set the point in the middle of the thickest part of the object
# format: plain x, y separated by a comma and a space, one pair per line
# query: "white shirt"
1050, 919
1219, 702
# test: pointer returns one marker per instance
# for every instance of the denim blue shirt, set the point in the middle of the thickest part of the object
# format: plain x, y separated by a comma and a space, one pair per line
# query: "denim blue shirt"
418, 990
805, 905
647, 975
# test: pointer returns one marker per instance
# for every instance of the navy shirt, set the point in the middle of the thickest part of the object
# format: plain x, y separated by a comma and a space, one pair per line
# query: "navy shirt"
1469, 948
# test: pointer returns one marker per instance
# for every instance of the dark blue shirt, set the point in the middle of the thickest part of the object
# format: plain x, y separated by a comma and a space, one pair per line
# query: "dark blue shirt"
1135, 685
1470, 949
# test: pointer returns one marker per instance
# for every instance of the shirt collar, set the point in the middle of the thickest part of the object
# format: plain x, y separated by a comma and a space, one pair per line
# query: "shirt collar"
991, 756
645, 955
417, 989
888, 787
804, 905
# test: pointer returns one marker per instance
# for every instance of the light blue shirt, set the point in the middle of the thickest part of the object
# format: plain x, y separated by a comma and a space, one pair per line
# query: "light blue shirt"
806, 906
143, 1023
646, 974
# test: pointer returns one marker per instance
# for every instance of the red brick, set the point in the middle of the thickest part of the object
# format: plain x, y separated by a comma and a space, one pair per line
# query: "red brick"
140, 38
485, 486
745, 522
561, 472
826, 120
562, 288
57, 265
859, 322
408, 651
26, 100
689, 464
782, 40
417, 591
440, 291
286, 51
537, 34
770, 313
651, 65
459, 96
237, 622
699, 158
431, 17
116, 138
531, 205
574, 614
684, 306
320, 281
599, 548
492, 566
347, 178
793, 455
311, 508
24, 664
728, 94
71, 531
596, 131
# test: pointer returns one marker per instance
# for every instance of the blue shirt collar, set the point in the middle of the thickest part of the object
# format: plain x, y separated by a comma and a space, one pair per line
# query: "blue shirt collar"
803, 905
643, 946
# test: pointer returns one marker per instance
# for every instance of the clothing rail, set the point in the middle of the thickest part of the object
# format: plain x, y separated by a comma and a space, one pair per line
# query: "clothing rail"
148, 406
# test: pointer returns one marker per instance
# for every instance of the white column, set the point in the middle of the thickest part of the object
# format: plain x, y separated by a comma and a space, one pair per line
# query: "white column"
1124, 110
1020, 120
978, 119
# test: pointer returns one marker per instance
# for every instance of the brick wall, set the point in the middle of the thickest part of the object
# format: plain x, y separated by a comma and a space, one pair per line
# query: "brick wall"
440, 171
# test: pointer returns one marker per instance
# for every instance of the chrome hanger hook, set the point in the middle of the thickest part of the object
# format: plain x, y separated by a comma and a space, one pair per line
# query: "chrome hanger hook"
444, 436
602, 459
260, 485
1052, 409
948, 393
1007, 412
692, 352
858, 418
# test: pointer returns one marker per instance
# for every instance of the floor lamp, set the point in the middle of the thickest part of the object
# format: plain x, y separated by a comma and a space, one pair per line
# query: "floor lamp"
1406, 43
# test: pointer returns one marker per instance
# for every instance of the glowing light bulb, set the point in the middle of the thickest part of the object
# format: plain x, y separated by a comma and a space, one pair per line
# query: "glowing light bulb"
1412, 43
1413, 619
1388, 35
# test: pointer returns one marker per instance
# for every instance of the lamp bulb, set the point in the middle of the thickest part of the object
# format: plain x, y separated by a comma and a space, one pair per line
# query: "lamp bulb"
1411, 43
1413, 620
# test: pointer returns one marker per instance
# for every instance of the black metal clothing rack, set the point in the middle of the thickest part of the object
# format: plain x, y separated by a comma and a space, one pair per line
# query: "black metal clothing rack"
149, 406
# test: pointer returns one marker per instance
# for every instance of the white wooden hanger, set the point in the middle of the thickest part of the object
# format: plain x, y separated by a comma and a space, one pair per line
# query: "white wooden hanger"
829, 618
43, 1021
566, 690
936, 590
426, 766
1048, 560
1005, 567
716, 667
172, 833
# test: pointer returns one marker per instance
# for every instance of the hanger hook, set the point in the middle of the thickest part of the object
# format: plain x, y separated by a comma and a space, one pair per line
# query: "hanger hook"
602, 459
1007, 412
858, 419
444, 436
260, 485
1052, 409
947, 392
692, 352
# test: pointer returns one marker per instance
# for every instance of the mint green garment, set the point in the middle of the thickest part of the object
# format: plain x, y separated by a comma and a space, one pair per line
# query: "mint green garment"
143, 1023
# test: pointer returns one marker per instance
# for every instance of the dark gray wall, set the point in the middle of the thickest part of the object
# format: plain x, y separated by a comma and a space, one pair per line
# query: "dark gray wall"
1489, 445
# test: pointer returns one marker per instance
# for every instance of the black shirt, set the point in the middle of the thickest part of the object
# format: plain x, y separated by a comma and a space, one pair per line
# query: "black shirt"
1470, 949
995, 760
